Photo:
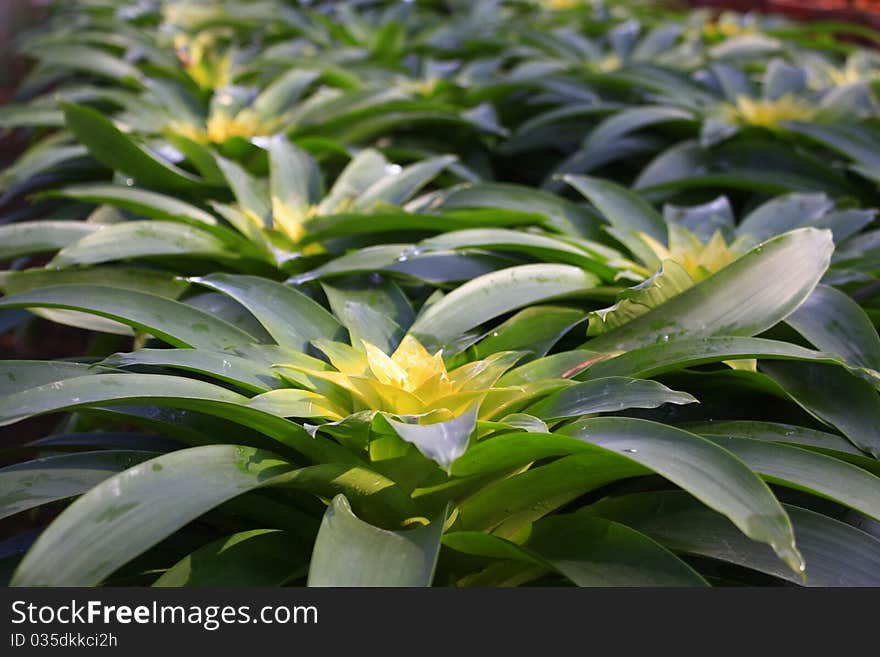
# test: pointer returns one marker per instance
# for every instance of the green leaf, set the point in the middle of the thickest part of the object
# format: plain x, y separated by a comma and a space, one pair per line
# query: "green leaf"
586, 552
177, 392
377, 313
547, 249
283, 93
18, 375
290, 317
629, 120
140, 239
200, 155
126, 514
606, 553
805, 470
176, 323
364, 169
442, 442
535, 329
321, 228
851, 140
251, 193
226, 367
42, 236
831, 444
512, 503
139, 279
645, 362
626, 211
295, 403
435, 268
139, 201
513, 450
712, 475
396, 187
42, 158
561, 215
605, 395
747, 297
89, 60
784, 213
143, 280
833, 322
116, 150
488, 296
834, 396
27, 116
259, 557
669, 281
556, 366
351, 552
33, 483
835, 553
295, 181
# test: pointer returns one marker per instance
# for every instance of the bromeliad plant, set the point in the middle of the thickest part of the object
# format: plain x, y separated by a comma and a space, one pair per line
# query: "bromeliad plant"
483, 383
392, 437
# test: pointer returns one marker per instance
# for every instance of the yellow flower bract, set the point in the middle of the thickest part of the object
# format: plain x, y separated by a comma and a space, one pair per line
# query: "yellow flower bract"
221, 127
411, 381
698, 259
770, 113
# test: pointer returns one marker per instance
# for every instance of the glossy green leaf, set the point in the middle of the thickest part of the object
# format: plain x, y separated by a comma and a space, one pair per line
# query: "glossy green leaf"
546, 248
652, 360
290, 317
139, 279
258, 557
484, 298
605, 553
605, 395
116, 150
377, 313
625, 210
139, 201
295, 181
818, 388
18, 375
176, 323
442, 442
536, 330
747, 297
226, 367
835, 323
351, 552
44, 236
511, 504
139, 239
561, 214
713, 475
251, 193
835, 554
124, 515
33, 483
176, 392
809, 471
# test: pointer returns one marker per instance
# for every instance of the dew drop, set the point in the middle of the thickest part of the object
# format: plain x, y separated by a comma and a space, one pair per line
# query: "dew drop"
629, 450
129, 182
393, 169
